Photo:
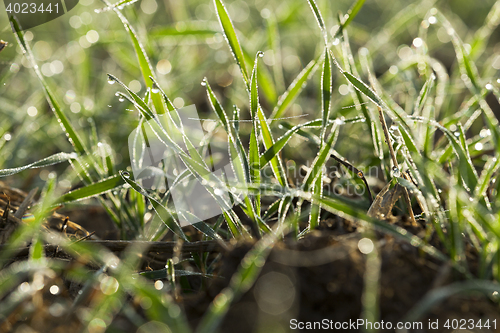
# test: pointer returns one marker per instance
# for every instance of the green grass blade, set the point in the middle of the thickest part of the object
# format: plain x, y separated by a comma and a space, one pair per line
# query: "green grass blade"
144, 63
253, 151
314, 216
164, 213
319, 161
351, 14
294, 89
72, 135
354, 213
92, 190
51, 160
281, 142
490, 168
482, 35
139, 103
259, 117
326, 92
231, 38
423, 95
319, 19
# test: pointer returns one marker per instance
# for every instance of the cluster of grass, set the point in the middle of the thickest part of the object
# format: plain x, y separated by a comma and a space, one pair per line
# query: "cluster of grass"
427, 123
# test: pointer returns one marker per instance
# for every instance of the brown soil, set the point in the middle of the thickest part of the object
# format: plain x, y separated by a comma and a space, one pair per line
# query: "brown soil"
319, 278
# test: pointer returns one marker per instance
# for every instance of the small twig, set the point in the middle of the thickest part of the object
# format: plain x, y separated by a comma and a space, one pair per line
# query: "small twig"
65, 224
84, 238
395, 165
5, 215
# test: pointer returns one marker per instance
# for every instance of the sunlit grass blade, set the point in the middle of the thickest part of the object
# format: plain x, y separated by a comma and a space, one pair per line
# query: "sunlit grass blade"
266, 85
72, 135
92, 190
354, 213
351, 14
272, 151
139, 103
239, 160
259, 118
319, 19
410, 14
424, 94
326, 92
144, 63
490, 168
118, 5
253, 151
164, 213
314, 215
320, 160
273, 41
51, 160
482, 35
294, 89
231, 38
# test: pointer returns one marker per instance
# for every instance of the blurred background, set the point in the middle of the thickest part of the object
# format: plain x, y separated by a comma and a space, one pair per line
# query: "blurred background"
184, 43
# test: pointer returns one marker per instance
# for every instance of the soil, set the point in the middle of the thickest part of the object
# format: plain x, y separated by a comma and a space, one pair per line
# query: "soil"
320, 278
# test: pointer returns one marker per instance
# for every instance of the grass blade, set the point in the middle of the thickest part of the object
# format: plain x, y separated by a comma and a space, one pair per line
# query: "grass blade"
231, 38
294, 89
320, 160
326, 92
253, 151
73, 137
92, 190
144, 63
351, 14
319, 19
51, 160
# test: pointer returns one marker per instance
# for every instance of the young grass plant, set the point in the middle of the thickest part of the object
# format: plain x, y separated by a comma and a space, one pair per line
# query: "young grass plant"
428, 154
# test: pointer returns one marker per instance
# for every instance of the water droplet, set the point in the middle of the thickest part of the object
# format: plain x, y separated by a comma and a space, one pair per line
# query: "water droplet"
121, 98
339, 121
260, 54
395, 172
111, 80
204, 82
489, 86
457, 134
155, 89
432, 20
126, 174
